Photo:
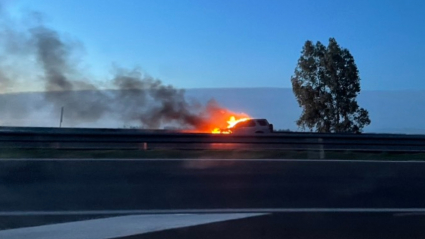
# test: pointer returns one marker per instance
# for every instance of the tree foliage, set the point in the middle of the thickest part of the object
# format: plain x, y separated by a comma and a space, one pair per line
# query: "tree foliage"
326, 83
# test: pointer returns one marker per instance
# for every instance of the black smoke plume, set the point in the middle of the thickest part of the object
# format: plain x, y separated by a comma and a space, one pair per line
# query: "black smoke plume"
137, 97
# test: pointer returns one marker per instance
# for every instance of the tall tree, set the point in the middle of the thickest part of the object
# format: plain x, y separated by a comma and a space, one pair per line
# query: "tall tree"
326, 83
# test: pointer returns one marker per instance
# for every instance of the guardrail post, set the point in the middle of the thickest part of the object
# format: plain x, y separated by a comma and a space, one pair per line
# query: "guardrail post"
321, 148
144, 146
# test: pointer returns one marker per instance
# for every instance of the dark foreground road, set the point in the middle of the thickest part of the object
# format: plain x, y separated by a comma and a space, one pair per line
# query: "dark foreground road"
301, 199
304, 226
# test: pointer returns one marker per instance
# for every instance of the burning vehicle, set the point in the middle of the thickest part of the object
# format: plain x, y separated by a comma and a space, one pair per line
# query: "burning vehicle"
245, 126
252, 126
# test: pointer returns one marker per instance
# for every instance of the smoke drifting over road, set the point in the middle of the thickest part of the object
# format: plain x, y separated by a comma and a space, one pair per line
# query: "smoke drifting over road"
34, 54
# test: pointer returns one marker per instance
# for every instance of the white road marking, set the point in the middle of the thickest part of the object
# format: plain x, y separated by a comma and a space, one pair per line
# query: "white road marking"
213, 211
119, 226
206, 159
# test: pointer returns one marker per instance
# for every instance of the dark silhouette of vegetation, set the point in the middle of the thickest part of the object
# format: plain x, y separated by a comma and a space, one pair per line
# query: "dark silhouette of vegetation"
326, 83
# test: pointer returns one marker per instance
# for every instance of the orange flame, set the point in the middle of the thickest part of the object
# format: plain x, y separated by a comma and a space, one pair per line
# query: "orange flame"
216, 119
232, 121
230, 124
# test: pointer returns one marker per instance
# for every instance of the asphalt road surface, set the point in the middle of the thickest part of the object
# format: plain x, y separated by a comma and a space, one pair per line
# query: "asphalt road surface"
304, 226
294, 199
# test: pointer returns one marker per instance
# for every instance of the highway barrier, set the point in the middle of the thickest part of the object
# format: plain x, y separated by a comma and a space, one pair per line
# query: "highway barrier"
84, 138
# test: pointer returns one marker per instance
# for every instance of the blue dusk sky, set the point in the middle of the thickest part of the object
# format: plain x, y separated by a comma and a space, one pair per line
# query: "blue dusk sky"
245, 43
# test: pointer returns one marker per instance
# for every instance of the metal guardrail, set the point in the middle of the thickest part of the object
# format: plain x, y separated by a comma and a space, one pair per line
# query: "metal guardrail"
81, 138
